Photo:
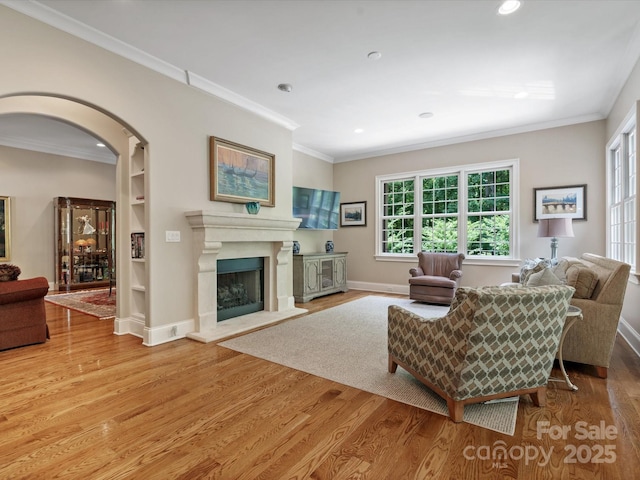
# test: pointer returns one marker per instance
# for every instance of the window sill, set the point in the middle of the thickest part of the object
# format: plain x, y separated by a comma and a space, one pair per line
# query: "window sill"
495, 262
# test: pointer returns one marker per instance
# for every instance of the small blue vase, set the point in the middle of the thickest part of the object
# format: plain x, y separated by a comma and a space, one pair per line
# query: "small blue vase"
329, 246
296, 247
253, 207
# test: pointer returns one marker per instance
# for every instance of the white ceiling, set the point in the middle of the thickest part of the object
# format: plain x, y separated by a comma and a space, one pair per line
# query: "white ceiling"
457, 59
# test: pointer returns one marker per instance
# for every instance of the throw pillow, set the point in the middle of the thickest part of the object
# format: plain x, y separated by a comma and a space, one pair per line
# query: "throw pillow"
543, 277
583, 279
9, 272
560, 269
532, 266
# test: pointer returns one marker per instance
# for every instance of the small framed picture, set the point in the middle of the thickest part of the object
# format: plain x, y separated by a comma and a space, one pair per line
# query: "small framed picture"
353, 214
560, 202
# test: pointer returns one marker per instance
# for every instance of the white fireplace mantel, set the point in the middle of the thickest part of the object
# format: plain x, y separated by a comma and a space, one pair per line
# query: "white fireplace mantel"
219, 235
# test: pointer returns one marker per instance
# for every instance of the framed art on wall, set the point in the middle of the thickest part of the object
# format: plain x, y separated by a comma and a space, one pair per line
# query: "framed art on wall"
240, 174
353, 214
5, 229
560, 202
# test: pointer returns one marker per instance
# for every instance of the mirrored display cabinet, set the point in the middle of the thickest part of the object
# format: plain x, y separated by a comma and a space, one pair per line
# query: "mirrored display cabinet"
85, 253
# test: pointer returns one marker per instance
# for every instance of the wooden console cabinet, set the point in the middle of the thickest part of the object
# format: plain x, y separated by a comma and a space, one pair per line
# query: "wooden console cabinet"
317, 274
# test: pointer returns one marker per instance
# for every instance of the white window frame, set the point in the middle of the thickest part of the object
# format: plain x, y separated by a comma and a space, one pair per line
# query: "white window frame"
462, 171
629, 194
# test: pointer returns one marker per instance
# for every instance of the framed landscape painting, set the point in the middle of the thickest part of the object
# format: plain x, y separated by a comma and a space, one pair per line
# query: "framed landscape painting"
560, 202
240, 174
5, 229
353, 214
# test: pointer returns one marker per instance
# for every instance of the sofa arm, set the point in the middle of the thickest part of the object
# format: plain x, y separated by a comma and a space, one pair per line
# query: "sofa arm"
455, 275
23, 290
416, 272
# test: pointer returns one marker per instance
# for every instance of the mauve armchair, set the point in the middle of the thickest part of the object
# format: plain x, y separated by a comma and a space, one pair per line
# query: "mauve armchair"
436, 277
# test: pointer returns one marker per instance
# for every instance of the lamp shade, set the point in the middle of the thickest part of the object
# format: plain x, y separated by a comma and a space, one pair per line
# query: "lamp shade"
555, 227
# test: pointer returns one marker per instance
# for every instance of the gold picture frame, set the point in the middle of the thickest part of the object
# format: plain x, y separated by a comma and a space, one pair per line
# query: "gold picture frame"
5, 229
240, 174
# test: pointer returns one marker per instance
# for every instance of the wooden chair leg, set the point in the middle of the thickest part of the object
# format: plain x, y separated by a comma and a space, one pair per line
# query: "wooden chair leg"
602, 372
539, 397
456, 410
393, 366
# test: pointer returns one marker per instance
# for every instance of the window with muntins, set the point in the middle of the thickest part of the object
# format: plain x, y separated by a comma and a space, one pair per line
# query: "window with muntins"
467, 209
622, 197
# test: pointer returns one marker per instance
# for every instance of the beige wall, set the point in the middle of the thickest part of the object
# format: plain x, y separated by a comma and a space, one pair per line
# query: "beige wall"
310, 172
570, 155
175, 120
628, 100
32, 180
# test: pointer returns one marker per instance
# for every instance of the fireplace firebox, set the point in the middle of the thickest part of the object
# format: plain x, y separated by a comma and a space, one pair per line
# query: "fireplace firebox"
240, 287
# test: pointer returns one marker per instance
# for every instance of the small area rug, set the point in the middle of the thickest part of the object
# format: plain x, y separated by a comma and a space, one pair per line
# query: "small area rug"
348, 344
96, 303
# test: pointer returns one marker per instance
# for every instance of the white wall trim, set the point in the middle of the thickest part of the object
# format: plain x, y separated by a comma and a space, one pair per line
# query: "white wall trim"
167, 333
55, 149
312, 153
379, 287
219, 91
129, 326
631, 336
78, 29
471, 138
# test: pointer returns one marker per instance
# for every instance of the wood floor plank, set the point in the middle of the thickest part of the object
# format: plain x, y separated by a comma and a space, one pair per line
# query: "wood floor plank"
89, 404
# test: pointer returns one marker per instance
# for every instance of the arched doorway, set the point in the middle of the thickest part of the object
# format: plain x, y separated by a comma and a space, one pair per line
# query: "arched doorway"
121, 139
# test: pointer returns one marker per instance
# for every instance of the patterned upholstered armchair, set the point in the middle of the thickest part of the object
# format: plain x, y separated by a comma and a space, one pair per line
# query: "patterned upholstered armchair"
494, 343
436, 277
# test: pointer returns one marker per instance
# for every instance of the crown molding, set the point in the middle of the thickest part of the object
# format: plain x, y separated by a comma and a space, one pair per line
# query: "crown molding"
312, 153
219, 91
78, 29
54, 149
470, 138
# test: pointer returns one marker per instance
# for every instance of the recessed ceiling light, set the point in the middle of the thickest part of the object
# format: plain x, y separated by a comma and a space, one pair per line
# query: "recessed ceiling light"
509, 6
374, 55
101, 145
521, 95
426, 115
285, 87
358, 130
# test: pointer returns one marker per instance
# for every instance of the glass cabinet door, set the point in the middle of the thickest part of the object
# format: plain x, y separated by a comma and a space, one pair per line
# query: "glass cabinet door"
85, 242
327, 273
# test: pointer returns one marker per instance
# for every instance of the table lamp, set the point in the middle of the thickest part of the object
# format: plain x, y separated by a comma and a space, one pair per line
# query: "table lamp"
554, 228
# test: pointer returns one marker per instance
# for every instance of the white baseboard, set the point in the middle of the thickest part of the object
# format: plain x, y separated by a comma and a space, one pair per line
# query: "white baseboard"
167, 333
152, 336
129, 326
379, 287
631, 336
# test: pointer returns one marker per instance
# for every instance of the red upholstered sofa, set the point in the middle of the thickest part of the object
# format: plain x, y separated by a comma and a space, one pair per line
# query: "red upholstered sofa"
22, 314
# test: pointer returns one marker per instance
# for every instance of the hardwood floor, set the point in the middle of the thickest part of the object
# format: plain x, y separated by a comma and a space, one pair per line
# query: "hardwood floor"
92, 405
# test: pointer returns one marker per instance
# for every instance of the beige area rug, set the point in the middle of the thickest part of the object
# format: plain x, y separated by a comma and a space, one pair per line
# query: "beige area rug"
97, 303
348, 344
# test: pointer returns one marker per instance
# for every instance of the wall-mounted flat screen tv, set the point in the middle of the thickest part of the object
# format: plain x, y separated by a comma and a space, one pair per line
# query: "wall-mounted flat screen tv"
318, 209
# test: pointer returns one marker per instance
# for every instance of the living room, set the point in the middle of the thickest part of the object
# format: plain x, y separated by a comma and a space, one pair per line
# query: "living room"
175, 120
571, 154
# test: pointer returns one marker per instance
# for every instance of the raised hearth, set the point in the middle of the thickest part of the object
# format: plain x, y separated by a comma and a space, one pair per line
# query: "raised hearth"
218, 236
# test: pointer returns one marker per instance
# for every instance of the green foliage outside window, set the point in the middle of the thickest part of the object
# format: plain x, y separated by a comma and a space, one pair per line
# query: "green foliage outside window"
487, 214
